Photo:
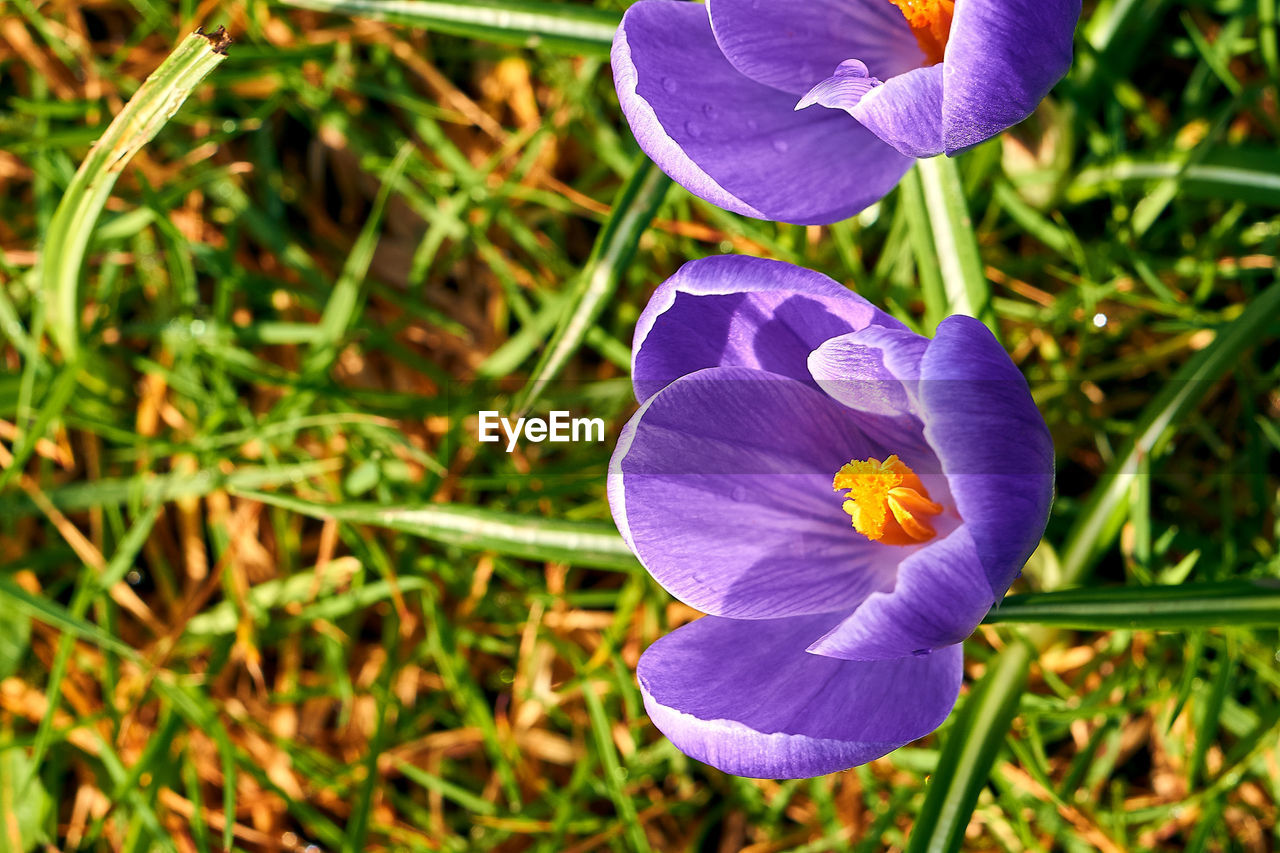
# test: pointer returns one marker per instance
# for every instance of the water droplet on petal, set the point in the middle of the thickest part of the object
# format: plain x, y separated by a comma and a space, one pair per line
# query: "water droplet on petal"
781, 145
670, 84
921, 652
739, 493
691, 127
709, 110
753, 125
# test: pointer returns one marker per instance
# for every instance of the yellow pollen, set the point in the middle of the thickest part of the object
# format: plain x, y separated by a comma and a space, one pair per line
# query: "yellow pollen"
930, 20
887, 501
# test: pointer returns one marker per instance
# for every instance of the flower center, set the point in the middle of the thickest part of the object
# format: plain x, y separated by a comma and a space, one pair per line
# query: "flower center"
930, 20
887, 501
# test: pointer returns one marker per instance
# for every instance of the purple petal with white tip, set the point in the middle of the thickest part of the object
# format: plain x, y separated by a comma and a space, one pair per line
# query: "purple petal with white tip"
734, 142
747, 698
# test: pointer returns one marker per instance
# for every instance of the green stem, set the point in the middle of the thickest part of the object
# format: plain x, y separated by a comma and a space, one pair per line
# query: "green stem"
964, 278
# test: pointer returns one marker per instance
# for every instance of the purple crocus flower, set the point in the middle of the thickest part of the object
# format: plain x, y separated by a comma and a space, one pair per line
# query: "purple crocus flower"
836, 614
724, 96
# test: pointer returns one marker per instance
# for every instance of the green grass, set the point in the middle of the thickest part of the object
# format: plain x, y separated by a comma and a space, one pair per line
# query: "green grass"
261, 587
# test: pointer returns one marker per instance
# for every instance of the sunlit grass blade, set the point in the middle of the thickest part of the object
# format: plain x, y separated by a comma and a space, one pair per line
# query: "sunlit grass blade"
162, 488
1232, 604
1099, 522
964, 279
73, 221
558, 26
634, 209
1245, 174
970, 748
929, 273
574, 542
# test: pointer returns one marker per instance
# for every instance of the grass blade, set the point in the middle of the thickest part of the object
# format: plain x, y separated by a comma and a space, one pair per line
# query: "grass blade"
1184, 607
530, 537
633, 210
928, 271
72, 224
971, 746
1100, 521
556, 26
964, 278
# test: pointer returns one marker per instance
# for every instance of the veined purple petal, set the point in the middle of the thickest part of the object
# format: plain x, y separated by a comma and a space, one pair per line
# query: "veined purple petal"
992, 442
732, 141
873, 370
906, 112
734, 310
722, 486
843, 89
939, 597
746, 698
1002, 58
792, 44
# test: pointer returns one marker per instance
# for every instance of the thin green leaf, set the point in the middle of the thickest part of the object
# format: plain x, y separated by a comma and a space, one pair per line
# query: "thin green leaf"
557, 26
633, 210
964, 278
343, 304
533, 538
1153, 608
1099, 522
928, 271
612, 769
1246, 174
972, 743
163, 488
51, 613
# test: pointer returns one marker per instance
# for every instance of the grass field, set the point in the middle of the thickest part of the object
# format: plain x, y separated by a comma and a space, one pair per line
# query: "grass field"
261, 587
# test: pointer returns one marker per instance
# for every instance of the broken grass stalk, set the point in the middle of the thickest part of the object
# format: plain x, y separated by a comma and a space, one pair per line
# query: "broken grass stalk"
73, 221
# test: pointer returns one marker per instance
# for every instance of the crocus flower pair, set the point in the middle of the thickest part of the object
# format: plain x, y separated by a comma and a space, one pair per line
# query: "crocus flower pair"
808, 111
845, 498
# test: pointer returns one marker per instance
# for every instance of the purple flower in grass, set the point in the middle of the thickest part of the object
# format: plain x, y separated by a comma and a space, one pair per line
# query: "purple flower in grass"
728, 98
845, 498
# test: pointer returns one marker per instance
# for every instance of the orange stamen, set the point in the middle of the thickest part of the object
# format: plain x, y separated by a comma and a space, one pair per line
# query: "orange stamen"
887, 501
930, 20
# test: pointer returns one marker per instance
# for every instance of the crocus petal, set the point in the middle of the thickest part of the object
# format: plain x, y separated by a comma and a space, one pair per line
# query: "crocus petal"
873, 370
939, 597
1002, 58
746, 698
722, 484
992, 442
906, 112
734, 310
792, 44
735, 142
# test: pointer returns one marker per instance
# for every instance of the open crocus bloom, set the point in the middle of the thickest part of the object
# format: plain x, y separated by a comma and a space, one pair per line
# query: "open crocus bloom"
725, 97
845, 498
